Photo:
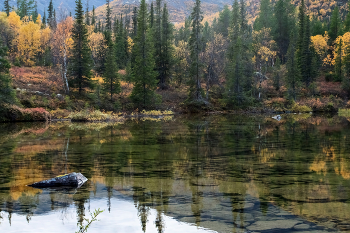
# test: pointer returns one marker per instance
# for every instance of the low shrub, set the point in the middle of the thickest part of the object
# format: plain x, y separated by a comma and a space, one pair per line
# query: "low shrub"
94, 116
344, 112
15, 113
296, 108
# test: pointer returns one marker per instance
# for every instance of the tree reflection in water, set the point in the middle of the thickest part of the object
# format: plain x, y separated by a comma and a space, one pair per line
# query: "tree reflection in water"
228, 170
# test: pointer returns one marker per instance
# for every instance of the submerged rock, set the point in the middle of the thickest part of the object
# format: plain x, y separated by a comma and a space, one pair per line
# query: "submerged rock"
69, 180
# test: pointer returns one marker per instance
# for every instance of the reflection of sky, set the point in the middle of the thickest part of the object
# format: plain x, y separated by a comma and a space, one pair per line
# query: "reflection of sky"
123, 218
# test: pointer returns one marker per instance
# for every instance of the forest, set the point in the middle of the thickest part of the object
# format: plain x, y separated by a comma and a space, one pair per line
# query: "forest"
281, 56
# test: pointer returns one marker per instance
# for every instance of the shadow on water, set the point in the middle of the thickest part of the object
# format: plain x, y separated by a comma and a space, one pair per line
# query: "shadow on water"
223, 173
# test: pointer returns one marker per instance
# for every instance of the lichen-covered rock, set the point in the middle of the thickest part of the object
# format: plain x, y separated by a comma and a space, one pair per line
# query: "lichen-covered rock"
69, 180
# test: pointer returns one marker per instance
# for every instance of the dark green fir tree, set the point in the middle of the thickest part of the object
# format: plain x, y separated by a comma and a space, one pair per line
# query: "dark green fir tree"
7, 7
81, 63
196, 47
110, 74
292, 78
143, 67
7, 94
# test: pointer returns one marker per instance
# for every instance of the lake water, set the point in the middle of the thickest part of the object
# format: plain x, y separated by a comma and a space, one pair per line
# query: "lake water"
181, 174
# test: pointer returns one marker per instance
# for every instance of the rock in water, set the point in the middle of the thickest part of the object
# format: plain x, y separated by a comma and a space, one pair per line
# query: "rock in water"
70, 180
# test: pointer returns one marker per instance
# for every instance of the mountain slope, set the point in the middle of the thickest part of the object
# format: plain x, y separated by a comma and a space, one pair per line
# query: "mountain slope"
67, 5
179, 9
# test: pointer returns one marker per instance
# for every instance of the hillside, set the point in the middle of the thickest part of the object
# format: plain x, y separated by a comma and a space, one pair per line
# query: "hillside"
68, 5
179, 9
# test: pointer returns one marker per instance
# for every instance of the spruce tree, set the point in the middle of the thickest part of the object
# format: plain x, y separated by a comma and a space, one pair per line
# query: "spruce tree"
50, 14
134, 22
7, 94
110, 74
158, 43
35, 14
196, 47
167, 48
301, 33
87, 14
121, 44
25, 7
239, 68
151, 16
93, 17
43, 25
264, 19
283, 26
334, 28
7, 7
234, 93
277, 75
293, 73
346, 77
81, 62
224, 22
339, 62
108, 17
347, 21
144, 76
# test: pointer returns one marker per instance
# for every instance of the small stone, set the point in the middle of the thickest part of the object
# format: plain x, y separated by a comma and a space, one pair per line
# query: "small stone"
301, 227
273, 225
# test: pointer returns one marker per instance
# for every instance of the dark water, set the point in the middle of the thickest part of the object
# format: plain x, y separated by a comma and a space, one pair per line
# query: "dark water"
186, 174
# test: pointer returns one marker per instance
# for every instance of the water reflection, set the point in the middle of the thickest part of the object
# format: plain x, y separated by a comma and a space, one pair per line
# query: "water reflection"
225, 174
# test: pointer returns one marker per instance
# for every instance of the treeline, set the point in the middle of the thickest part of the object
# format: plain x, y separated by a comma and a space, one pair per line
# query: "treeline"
226, 61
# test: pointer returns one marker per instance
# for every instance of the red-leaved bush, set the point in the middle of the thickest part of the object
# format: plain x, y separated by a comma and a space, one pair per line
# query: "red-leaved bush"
15, 113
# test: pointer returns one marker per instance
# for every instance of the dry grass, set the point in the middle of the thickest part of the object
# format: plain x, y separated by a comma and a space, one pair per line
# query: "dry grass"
95, 116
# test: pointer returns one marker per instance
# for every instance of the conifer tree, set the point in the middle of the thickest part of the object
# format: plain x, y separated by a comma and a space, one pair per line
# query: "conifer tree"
81, 63
134, 22
25, 7
293, 73
334, 28
339, 63
277, 75
43, 24
264, 20
151, 16
157, 29
167, 48
239, 67
301, 34
346, 76
283, 26
224, 21
50, 14
108, 17
308, 66
121, 44
7, 95
144, 75
7, 7
347, 21
93, 17
35, 14
110, 74
196, 47
87, 14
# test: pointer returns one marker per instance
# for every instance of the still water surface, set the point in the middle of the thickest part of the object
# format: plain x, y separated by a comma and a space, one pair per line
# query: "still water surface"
182, 174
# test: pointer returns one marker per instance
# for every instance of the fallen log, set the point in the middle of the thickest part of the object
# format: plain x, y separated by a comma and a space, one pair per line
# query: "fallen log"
74, 180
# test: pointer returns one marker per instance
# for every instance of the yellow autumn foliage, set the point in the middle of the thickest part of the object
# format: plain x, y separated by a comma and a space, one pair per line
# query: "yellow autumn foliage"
319, 42
345, 39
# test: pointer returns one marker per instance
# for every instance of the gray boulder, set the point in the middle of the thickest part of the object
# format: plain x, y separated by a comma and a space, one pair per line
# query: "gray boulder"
74, 180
